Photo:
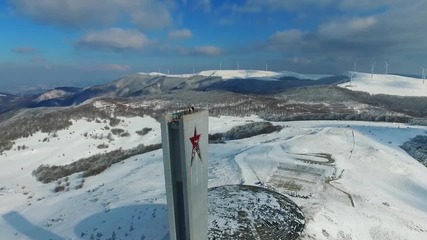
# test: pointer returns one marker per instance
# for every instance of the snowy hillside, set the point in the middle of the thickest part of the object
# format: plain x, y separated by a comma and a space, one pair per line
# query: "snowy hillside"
154, 83
351, 180
387, 84
228, 74
185, 75
231, 74
55, 93
259, 74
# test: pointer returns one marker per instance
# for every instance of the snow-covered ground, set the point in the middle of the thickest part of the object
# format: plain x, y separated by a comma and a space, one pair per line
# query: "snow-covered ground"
232, 74
52, 94
186, 75
228, 74
387, 84
377, 191
259, 74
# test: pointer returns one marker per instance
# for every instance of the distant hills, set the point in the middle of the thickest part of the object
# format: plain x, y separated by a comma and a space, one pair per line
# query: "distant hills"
10, 101
237, 81
253, 85
141, 84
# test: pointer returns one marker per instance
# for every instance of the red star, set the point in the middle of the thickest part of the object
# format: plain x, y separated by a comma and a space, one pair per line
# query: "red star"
195, 142
195, 139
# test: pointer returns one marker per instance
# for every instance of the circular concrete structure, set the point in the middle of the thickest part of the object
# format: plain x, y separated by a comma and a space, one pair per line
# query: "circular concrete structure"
250, 212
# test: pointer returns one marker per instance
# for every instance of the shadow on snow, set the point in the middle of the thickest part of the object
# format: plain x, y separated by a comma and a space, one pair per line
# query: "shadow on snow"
146, 221
25, 227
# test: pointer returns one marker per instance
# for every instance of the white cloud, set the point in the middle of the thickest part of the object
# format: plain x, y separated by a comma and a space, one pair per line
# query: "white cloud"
206, 5
392, 34
114, 39
303, 5
114, 67
290, 35
278, 5
117, 67
208, 50
82, 13
180, 34
204, 50
157, 17
299, 60
285, 40
354, 26
362, 23
369, 4
225, 21
25, 50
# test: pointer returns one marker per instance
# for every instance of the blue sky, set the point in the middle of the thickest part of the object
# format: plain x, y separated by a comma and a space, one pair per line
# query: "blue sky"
49, 43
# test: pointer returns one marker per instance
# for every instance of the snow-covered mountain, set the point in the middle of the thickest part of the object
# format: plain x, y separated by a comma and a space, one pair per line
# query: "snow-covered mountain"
145, 84
259, 74
387, 84
238, 81
351, 179
57, 93
233, 74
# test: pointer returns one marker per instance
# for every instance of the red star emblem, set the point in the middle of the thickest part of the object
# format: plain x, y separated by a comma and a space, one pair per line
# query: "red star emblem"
196, 150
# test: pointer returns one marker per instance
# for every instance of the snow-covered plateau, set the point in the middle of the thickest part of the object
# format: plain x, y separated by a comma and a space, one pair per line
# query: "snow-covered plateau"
350, 179
387, 84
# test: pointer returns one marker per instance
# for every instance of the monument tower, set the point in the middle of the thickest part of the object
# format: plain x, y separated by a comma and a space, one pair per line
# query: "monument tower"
185, 157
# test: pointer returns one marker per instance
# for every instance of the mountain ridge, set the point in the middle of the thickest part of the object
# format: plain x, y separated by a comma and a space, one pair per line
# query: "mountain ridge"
143, 84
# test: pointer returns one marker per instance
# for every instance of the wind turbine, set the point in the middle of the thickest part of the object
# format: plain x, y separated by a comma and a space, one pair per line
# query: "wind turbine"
386, 67
372, 69
355, 65
220, 65
424, 74
266, 67
351, 77
238, 65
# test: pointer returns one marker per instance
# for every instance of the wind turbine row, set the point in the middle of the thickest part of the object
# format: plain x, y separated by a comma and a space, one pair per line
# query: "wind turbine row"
372, 67
238, 66
355, 65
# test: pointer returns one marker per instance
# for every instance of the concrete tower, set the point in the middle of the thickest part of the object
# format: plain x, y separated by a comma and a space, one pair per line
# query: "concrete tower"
185, 156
